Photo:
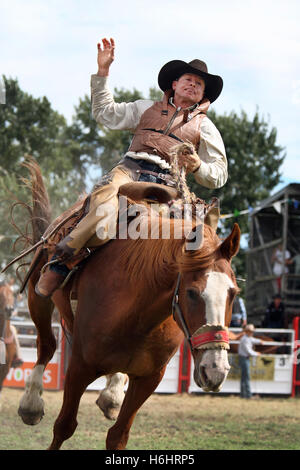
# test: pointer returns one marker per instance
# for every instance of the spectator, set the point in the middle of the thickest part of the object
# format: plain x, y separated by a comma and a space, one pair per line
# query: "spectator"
246, 350
19, 306
297, 271
275, 314
280, 259
239, 315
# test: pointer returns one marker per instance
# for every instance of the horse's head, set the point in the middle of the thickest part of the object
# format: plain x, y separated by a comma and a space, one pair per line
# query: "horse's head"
204, 295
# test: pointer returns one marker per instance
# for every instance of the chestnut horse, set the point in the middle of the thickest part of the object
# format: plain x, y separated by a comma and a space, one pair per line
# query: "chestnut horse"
7, 343
127, 291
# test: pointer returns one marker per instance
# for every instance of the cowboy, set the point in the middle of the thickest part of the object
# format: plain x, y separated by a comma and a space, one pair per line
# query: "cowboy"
156, 126
275, 313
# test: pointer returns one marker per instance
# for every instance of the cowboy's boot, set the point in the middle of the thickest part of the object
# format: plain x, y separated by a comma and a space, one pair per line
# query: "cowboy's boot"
49, 281
52, 278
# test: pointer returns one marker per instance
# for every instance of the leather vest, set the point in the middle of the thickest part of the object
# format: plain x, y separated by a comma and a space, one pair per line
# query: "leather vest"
162, 127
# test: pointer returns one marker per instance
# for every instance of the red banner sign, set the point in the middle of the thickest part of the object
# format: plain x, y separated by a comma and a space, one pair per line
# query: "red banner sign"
17, 377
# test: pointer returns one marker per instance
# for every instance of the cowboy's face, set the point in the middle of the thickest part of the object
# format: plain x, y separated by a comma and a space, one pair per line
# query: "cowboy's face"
188, 89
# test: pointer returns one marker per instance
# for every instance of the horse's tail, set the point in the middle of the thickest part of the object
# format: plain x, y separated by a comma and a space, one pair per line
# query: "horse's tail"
41, 208
39, 212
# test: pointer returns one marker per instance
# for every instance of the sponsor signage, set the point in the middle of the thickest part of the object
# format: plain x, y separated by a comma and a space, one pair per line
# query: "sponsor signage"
17, 377
261, 368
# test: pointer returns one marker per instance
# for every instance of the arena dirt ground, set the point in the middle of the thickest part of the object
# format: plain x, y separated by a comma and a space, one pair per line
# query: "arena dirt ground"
165, 422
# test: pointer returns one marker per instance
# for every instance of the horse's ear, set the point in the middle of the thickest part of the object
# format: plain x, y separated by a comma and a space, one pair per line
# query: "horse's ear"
194, 239
231, 244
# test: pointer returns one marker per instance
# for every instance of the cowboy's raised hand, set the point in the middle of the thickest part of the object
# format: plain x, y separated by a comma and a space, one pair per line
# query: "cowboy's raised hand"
106, 55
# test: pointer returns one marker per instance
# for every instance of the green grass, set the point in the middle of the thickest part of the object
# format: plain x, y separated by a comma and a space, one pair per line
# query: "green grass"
165, 422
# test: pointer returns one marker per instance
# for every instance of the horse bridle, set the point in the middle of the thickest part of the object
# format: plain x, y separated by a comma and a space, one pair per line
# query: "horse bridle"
207, 336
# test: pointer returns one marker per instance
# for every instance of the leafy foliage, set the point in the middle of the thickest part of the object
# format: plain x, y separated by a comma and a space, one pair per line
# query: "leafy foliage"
29, 125
254, 160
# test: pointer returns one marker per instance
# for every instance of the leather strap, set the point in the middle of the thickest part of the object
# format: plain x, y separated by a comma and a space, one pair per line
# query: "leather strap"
215, 336
165, 177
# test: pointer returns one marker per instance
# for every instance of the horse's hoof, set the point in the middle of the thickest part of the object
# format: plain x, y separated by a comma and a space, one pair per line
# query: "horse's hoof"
29, 417
109, 412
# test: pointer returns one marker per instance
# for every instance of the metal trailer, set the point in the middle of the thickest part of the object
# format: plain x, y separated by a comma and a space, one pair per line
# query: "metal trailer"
275, 222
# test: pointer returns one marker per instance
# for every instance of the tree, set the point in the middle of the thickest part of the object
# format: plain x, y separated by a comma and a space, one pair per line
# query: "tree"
254, 160
29, 125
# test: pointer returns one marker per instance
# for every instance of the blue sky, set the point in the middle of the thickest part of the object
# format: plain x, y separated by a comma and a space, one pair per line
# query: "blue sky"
255, 46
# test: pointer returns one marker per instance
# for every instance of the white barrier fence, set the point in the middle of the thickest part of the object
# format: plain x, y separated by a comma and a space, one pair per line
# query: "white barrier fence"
270, 373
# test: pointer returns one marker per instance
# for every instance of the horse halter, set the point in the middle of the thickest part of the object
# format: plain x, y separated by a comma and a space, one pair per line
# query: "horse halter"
207, 336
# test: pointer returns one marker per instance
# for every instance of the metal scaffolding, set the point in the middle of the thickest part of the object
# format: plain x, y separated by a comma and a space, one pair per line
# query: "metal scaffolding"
274, 225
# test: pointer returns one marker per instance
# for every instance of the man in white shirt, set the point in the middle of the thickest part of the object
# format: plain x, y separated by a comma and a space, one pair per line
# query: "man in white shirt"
281, 259
245, 351
157, 127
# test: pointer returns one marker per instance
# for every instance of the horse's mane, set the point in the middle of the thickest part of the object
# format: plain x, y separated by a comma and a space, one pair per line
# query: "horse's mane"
203, 258
157, 261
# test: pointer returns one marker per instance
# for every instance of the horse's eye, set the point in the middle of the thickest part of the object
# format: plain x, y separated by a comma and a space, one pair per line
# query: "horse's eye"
193, 294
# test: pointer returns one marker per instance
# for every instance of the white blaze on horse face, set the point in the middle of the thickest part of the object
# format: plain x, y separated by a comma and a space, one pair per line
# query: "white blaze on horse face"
215, 296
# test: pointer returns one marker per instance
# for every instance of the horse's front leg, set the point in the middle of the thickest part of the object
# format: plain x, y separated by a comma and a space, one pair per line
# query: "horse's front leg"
139, 389
78, 377
31, 407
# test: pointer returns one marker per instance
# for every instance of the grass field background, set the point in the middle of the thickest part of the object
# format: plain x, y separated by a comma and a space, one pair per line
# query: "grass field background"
165, 422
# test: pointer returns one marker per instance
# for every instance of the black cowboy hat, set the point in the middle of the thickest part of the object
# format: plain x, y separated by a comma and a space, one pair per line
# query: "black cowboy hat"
173, 70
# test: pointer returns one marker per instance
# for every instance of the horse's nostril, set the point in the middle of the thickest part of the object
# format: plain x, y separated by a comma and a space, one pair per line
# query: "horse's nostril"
214, 365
